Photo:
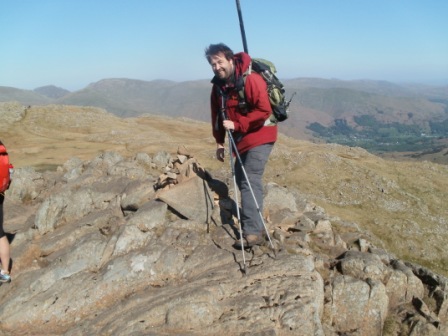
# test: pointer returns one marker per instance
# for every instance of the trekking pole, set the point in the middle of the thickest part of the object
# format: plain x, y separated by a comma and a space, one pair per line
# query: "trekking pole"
232, 167
232, 142
243, 33
232, 145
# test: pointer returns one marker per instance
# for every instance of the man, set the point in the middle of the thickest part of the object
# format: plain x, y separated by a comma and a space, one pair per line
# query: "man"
251, 129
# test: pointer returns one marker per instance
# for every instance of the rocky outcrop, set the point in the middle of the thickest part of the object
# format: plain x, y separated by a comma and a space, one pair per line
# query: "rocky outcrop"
143, 246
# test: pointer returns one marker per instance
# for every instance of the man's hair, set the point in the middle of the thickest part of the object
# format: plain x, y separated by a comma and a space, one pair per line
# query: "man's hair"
214, 49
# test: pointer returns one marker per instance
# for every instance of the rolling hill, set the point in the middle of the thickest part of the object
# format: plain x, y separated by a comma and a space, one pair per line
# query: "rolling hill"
317, 101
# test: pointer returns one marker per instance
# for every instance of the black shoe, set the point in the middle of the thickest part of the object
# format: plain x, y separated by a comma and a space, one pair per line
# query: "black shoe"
249, 241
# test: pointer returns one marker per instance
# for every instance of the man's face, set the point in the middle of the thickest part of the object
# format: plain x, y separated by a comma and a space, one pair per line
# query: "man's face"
222, 67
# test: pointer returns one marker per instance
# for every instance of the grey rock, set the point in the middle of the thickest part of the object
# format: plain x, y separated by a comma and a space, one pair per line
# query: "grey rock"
361, 265
149, 216
73, 169
143, 159
68, 206
412, 286
357, 307
277, 198
162, 158
305, 224
136, 194
26, 185
192, 199
96, 253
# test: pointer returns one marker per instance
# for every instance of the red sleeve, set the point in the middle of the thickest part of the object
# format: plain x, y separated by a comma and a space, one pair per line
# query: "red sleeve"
259, 106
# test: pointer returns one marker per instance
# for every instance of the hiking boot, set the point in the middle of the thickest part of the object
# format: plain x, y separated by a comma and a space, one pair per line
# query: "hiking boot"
249, 241
4, 277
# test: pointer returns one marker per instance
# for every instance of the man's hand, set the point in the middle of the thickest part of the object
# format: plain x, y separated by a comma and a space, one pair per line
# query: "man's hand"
220, 152
228, 125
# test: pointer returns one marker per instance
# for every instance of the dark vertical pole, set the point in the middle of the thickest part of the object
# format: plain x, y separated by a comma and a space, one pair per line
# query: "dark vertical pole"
243, 33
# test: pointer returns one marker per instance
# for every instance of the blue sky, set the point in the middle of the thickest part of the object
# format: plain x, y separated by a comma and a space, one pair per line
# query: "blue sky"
72, 43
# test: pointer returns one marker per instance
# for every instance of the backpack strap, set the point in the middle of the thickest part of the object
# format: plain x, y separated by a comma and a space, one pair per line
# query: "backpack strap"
223, 98
240, 85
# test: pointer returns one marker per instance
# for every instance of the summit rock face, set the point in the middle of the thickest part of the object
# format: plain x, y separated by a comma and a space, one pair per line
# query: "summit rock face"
143, 246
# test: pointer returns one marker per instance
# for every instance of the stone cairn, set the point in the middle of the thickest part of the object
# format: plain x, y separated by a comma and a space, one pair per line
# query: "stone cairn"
180, 169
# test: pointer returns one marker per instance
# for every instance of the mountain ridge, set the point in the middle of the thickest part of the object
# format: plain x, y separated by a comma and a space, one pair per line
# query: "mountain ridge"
137, 89
320, 101
51, 91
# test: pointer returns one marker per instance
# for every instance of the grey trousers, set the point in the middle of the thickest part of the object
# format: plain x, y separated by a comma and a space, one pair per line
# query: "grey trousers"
254, 162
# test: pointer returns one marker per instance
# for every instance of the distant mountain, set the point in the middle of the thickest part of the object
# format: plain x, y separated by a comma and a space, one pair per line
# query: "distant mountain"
130, 98
370, 86
317, 100
52, 91
26, 97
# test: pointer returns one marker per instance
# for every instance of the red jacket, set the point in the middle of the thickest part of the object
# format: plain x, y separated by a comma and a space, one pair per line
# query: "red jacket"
250, 130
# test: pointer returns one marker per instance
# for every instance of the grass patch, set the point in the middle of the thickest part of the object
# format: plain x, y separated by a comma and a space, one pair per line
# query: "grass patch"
46, 167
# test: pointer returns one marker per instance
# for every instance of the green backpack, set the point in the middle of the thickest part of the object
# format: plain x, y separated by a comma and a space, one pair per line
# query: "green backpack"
276, 91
